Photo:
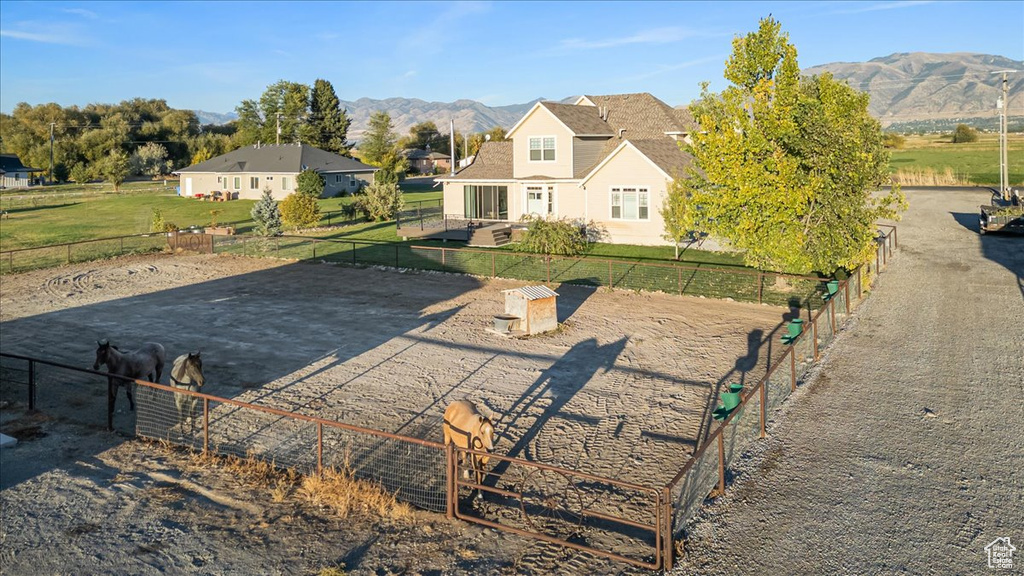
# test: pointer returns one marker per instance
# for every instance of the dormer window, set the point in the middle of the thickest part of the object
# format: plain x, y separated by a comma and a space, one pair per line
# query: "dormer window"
542, 149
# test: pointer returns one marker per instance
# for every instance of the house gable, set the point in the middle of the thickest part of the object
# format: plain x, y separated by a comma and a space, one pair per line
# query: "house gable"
552, 136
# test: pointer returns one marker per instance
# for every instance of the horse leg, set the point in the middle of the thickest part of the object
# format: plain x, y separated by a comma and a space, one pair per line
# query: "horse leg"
111, 401
159, 370
128, 392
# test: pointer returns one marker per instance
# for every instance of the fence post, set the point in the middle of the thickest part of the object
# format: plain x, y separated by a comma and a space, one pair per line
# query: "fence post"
122, 245
764, 402
792, 368
814, 337
548, 262
721, 463
666, 529
206, 425
313, 242
760, 288
243, 245
493, 271
895, 239
444, 266
69, 254
319, 448
396, 255
846, 288
449, 480
31, 385
679, 280
353, 253
611, 280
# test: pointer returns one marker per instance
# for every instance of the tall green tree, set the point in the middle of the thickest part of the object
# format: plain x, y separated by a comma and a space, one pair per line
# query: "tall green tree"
283, 104
310, 183
677, 214
327, 124
115, 168
379, 139
785, 168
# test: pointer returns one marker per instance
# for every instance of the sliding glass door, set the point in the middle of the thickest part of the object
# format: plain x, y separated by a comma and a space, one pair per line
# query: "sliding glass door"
486, 202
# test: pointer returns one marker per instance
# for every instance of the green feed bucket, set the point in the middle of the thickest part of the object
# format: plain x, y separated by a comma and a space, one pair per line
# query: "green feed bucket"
833, 286
730, 400
795, 327
734, 387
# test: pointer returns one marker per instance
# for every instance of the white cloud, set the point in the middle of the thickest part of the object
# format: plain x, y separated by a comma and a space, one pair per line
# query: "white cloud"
664, 69
410, 74
665, 35
52, 37
884, 6
81, 12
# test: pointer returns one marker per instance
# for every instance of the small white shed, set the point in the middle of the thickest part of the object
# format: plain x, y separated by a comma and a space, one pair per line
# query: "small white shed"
535, 306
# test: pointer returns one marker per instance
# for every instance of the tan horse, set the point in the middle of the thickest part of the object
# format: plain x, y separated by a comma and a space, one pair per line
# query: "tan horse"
466, 427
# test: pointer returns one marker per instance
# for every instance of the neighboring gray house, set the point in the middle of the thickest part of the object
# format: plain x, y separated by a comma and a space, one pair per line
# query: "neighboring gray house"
14, 174
245, 172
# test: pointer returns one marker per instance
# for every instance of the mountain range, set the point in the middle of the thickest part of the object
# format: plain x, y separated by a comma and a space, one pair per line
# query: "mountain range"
907, 89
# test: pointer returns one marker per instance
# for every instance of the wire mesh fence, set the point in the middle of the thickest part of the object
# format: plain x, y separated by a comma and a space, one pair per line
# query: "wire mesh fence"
60, 254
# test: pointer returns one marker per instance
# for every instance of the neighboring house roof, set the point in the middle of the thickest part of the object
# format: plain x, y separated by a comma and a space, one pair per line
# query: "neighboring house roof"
533, 292
11, 163
493, 162
642, 115
416, 154
666, 154
279, 158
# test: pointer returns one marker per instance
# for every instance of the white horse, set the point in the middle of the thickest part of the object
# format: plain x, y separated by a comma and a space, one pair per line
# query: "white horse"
146, 363
187, 374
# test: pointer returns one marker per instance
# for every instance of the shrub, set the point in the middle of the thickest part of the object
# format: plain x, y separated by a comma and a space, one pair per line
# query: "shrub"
300, 211
381, 201
266, 214
310, 183
893, 141
80, 174
60, 172
964, 133
561, 236
159, 224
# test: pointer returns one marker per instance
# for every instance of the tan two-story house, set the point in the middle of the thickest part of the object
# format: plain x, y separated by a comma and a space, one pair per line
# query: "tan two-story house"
606, 159
244, 173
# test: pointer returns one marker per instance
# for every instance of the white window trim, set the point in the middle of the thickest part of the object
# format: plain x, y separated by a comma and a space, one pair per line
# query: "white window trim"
639, 189
542, 160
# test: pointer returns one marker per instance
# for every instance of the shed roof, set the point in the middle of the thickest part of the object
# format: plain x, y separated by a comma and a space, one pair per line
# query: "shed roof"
534, 292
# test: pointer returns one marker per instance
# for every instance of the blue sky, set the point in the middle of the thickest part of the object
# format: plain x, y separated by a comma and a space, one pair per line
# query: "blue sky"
211, 55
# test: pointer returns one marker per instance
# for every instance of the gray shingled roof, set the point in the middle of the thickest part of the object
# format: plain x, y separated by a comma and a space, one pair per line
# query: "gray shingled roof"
279, 158
666, 154
415, 153
640, 115
582, 120
493, 162
11, 163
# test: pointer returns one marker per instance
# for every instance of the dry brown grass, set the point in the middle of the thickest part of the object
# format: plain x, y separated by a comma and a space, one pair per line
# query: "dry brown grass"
345, 495
929, 177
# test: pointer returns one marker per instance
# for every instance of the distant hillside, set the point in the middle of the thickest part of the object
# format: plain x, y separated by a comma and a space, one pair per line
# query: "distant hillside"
469, 115
928, 89
215, 117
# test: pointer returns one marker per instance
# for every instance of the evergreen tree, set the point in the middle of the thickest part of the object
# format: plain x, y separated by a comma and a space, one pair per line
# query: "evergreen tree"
379, 139
327, 126
267, 215
310, 183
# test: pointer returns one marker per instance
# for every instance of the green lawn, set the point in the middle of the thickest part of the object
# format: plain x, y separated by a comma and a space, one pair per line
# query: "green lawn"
977, 161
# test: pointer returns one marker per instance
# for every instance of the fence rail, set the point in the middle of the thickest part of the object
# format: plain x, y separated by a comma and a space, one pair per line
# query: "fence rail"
616, 519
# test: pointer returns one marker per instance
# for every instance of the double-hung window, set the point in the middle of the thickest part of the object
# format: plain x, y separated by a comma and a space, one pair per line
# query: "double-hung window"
630, 203
542, 149
238, 182
254, 182
284, 183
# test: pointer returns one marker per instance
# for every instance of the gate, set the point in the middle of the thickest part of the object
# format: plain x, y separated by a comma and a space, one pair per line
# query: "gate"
605, 517
201, 243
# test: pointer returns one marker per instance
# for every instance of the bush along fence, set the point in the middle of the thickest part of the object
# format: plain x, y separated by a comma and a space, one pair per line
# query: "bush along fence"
608, 517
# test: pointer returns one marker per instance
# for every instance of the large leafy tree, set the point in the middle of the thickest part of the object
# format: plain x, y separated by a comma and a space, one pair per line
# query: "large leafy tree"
327, 124
115, 168
282, 104
786, 167
379, 139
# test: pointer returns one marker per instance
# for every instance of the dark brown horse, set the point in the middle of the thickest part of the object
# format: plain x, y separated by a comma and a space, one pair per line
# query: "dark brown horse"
146, 363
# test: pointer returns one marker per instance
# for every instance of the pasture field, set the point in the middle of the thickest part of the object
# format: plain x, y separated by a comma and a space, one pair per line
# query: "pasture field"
977, 162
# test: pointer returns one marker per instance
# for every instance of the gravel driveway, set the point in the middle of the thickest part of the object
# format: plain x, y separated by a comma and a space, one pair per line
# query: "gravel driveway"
906, 454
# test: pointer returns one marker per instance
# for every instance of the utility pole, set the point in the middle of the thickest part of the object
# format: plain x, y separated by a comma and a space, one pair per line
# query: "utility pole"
1003, 104
278, 128
52, 124
451, 137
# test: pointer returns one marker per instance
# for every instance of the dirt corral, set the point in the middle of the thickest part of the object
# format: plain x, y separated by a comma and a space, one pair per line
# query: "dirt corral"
623, 389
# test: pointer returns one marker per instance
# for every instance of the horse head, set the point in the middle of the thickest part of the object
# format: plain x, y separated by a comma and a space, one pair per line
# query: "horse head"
102, 354
194, 368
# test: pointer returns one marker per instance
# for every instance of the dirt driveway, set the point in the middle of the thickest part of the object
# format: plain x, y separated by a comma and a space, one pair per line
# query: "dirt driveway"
906, 454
